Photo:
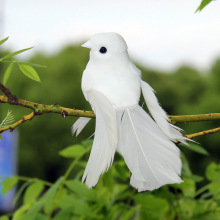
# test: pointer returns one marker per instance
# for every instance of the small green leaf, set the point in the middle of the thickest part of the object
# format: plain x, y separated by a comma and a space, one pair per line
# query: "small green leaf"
196, 178
188, 187
50, 194
8, 184
33, 191
213, 172
64, 214
129, 213
20, 214
20, 192
202, 5
30, 64
29, 71
7, 73
34, 210
3, 40
1, 136
15, 53
79, 206
151, 207
197, 148
81, 189
73, 151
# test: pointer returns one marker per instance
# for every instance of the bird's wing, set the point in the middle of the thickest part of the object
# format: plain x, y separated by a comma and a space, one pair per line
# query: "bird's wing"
79, 125
105, 140
159, 115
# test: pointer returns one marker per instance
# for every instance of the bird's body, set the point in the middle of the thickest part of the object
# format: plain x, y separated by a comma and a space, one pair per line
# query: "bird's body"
115, 74
112, 85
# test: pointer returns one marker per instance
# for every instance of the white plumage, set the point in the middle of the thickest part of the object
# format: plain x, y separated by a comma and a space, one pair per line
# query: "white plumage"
112, 84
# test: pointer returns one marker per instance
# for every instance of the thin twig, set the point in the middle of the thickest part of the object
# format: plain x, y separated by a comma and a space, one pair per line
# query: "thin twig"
201, 133
194, 118
13, 126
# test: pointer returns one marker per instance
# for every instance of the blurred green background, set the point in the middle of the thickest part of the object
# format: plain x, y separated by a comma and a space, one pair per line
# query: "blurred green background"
183, 91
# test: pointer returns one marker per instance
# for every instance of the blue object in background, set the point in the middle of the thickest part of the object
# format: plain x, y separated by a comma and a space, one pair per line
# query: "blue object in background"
8, 166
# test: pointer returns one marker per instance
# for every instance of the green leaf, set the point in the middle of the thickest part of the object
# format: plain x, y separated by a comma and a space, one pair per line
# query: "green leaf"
185, 165
34, 210
198, 149
7, 73
33, 191
20, 192
3, 40
15, 53
213, 172
188, 187
29, 71
196, 178
1, 136
30, 64
64, 214
78, 206
8, 184
129, 213
151, 206
50, 194
202, 5
81, 190
74, 151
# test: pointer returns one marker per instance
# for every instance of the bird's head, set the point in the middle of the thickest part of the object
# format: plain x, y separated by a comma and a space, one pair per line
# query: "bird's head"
106, 45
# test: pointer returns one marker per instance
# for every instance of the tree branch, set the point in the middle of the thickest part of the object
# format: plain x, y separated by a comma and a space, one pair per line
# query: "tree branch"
201, 133
194, 118
13, 126
11, 98
39, 109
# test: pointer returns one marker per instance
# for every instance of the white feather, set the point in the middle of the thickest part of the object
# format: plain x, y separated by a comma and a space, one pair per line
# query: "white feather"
79, 125
151, 157
160, 116
105, 140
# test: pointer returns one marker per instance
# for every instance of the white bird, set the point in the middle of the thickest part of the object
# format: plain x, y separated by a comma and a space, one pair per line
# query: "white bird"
112, 84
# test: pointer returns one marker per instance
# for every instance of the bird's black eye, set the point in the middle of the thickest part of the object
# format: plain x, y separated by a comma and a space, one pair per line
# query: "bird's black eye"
103, 50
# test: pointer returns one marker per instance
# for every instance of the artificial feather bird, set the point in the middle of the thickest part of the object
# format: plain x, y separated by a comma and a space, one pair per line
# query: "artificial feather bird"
112, 84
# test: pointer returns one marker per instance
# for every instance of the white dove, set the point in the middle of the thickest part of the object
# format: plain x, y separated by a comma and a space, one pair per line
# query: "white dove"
112, 84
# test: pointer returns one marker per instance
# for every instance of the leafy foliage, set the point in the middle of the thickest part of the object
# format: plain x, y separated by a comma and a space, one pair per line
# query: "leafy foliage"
26, 68
113, 198
203, 4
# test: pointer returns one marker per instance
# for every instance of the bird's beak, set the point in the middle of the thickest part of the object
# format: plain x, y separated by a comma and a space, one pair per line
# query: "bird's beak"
87, 44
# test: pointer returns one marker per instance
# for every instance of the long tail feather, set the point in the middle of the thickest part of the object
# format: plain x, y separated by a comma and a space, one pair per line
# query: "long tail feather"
152, 158
79, 125
160, 116
105, 140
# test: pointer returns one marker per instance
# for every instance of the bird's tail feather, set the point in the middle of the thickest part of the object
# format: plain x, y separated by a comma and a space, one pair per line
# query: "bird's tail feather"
152, 158
160, 116
79, 125
105, 140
